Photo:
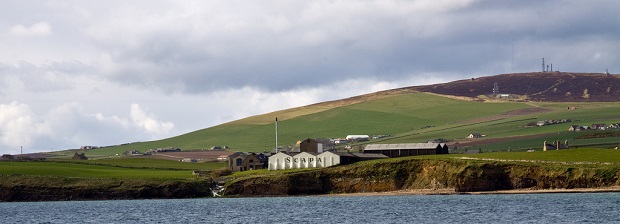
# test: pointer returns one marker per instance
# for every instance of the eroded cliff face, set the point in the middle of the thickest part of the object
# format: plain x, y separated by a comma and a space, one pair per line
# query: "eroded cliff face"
463, 176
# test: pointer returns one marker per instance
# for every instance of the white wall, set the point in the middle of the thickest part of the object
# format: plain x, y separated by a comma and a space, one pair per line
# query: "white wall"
304, 160
327, 159
280, 161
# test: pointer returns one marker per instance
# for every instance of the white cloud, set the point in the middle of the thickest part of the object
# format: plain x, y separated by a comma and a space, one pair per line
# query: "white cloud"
69, 126
17, 125
149, 122
225, 60
37, 29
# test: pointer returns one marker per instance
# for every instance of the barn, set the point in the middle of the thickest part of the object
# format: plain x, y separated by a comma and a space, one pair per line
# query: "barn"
407, 149
310, 145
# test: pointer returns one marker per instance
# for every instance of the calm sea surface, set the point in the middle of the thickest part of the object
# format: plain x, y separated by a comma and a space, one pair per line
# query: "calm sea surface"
513, 208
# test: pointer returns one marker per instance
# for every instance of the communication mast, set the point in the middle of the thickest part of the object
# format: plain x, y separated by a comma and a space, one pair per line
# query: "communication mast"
495, 89
543, 65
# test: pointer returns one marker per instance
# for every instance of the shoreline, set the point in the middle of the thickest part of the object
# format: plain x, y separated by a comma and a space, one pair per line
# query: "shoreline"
451, 191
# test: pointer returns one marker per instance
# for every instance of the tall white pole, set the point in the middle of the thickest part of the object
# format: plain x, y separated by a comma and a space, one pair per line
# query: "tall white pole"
276, 134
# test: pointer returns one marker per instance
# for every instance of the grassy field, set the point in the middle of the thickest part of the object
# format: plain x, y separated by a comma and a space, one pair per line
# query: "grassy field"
85, 170
582, 155
148, 163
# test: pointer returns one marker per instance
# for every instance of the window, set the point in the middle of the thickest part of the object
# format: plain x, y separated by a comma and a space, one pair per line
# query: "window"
239, 162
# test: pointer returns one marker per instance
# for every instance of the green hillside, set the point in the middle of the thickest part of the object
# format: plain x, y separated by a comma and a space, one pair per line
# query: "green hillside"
407, 117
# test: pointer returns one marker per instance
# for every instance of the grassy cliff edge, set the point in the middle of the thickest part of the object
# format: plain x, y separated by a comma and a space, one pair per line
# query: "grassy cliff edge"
55, 188
441, 173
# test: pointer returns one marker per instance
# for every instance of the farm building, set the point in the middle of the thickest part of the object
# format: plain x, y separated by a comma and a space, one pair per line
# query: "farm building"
240, 161
79, 156
254, 161
310, 145
235, 161
284, 161
574, 128
189, 160
7, 157
555, 146
407, 149
358, 137
474, 135
598, 126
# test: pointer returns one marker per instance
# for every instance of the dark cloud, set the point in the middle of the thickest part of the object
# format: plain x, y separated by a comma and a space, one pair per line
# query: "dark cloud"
88, 62
361, 41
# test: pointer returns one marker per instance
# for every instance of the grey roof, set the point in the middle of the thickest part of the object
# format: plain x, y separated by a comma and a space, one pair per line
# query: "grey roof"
371, 147
242, 154
369, 155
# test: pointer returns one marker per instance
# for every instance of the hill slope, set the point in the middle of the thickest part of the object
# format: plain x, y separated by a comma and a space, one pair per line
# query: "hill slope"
411, 115
537, 86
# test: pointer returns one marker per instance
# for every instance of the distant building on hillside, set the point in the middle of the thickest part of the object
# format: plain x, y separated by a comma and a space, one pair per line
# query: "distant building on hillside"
574, 128
358, 138
598, 126
555, 146
7, 157
79, 156
474, 135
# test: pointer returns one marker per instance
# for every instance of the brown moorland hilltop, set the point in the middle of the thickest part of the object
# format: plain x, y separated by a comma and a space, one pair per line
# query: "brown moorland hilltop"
536, 86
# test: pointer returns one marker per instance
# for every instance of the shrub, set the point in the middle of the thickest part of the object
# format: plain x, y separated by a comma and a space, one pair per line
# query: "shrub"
224, 171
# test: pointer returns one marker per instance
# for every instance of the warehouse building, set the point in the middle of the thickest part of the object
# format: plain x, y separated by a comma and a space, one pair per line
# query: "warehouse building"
287, 161
407, 149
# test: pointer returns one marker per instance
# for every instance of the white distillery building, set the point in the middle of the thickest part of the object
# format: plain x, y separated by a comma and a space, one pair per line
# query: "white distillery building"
284, 161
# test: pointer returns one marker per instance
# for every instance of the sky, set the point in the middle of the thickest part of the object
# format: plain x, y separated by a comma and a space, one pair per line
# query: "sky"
75, 73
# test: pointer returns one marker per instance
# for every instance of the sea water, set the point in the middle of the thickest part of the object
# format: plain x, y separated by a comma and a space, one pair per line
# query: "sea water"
500, 208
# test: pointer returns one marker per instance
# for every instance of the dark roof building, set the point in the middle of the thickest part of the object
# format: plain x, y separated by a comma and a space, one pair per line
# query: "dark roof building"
79, 156
310, 145
407, 149
235, 161
7, 157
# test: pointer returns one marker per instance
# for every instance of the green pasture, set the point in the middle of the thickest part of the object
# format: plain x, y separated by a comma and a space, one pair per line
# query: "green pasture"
148, 163
87, 170
576, 156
